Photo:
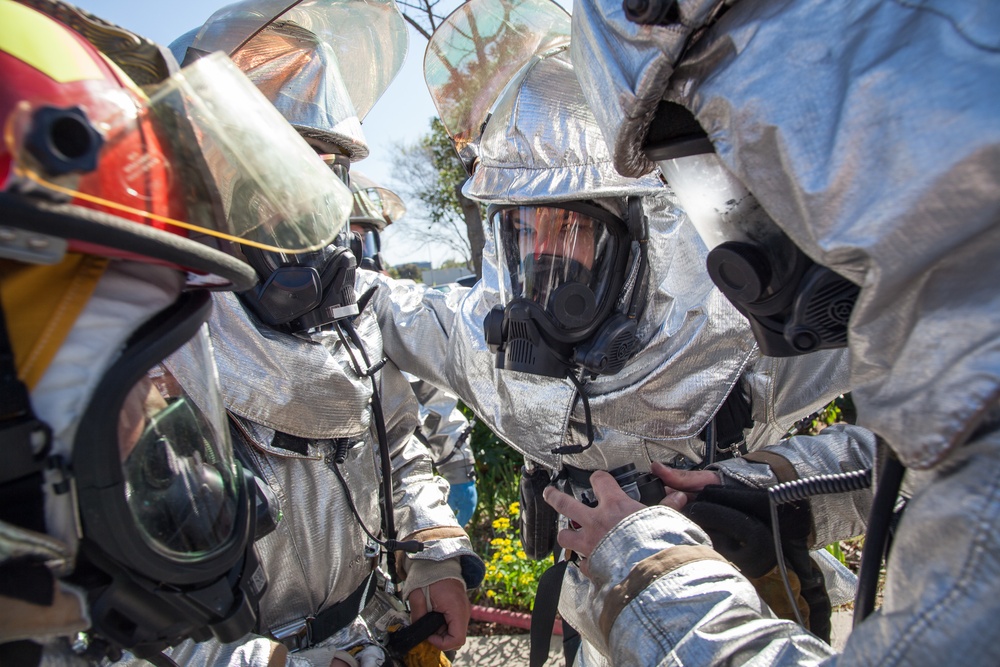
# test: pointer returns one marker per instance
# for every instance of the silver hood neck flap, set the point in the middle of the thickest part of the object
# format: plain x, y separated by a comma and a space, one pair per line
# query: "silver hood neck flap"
870, 134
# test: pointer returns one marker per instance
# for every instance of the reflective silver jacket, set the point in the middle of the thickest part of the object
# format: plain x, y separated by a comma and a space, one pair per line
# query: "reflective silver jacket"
318, 554
688, 608
541, 145
866, 131
445, 431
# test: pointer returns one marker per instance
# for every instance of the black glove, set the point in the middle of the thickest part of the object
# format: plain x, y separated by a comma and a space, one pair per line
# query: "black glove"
539, 522
738, 520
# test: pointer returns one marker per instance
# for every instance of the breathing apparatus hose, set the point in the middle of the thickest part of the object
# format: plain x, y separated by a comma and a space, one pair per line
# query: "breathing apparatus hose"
877, 536
390, 544
800, 489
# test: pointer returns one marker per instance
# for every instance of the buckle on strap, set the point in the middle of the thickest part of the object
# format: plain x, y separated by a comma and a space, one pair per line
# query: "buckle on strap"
295, 635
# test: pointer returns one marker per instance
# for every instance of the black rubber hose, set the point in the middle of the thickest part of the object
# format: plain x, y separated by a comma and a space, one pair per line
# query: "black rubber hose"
876, 536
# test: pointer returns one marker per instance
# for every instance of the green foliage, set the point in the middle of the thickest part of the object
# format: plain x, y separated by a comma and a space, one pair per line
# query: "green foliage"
511, 577
410, 271
839, 410
837, 552
498, 469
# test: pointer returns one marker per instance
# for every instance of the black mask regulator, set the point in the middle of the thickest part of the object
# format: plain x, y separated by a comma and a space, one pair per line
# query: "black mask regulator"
794, 305
302, 291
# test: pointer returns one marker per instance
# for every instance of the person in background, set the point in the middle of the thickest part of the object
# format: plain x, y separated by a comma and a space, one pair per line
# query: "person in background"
316, 411
865, 136
446, 432
443, 429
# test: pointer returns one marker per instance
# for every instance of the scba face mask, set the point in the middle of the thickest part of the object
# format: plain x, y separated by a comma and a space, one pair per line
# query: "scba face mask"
570, 274
794, 305
167, 514
303, 291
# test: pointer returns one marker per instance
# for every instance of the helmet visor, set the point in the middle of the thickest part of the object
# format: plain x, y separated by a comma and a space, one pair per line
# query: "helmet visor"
180, 480
374, 204
478, 49
177, 159
562, 258
368, 39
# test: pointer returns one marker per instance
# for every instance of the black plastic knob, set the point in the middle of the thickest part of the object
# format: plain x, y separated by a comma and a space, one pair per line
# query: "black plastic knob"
651, 12
63, 140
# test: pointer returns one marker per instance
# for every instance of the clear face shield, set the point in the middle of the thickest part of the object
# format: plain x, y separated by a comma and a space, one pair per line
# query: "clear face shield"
153, 160
794, 305
476, 51
165, 507
562, 268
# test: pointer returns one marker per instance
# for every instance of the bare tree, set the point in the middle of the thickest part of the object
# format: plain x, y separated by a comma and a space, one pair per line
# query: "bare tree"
426, 15
430, 175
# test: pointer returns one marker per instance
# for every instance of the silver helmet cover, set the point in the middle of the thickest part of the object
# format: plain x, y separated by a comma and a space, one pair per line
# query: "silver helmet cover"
374, 205
695, 345
303, 387
323, 63
871, 136
541, 144
624, 69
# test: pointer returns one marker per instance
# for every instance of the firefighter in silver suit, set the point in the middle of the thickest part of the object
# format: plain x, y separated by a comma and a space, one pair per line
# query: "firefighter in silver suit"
867, 135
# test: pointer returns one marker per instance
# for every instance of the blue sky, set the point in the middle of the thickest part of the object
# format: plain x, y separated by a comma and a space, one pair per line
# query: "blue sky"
402, 115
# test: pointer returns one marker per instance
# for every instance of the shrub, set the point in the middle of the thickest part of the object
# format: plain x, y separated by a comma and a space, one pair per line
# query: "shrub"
511, 577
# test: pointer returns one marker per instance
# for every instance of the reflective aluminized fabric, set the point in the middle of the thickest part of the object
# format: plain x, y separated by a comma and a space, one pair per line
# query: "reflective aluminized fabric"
624, 69
939, 598
541, 144
447, 432
318, 554
925, 332
891, 181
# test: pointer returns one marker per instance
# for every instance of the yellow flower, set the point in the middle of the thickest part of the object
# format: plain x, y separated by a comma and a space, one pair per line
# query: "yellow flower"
522, 555
515, 508
491, 594
507, 558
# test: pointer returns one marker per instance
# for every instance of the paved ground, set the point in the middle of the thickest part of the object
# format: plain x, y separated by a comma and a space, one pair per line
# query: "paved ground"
503, 651
512, 650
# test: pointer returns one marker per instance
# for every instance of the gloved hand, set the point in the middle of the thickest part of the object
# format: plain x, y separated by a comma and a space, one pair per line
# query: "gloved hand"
539, 521
462, 499
737, 519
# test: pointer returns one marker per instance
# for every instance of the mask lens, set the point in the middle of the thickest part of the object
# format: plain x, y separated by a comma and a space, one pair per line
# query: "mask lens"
180, 482
370, 240
545, 248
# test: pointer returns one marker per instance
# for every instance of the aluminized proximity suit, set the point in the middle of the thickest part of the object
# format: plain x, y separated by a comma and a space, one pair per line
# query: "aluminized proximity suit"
870, 135
695, 346
445, 431
302, 401
293, 398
